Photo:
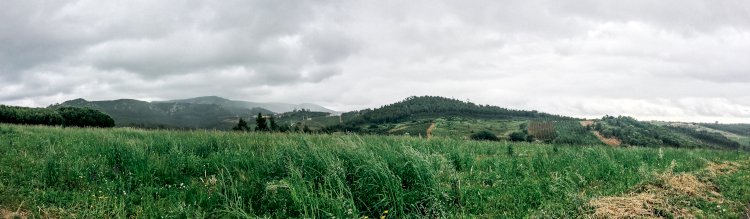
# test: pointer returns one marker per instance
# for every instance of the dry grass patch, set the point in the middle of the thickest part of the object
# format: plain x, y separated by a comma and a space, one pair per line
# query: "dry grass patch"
13, 214
652, 200
640, 205
722, 168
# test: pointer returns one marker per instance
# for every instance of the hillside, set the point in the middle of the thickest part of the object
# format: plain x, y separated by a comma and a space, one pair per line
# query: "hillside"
433, 107
135, 113
428, 116
236, 104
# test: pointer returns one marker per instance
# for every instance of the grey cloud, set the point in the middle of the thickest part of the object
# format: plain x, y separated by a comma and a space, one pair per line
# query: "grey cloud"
666, 59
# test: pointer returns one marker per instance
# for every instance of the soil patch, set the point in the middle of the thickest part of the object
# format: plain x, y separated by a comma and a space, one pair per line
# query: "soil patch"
429, 130
609, 141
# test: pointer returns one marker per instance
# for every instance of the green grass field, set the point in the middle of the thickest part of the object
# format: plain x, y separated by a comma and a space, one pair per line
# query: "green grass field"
105, 173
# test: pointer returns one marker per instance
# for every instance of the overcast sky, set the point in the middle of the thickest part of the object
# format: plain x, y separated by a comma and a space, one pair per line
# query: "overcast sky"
686, 60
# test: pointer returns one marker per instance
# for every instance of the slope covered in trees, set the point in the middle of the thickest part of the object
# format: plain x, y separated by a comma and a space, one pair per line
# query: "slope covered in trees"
135, 113
64, 116
637, 133
430, 107
738, 129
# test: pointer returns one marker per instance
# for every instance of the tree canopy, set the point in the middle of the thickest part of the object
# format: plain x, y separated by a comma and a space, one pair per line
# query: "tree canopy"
64, 116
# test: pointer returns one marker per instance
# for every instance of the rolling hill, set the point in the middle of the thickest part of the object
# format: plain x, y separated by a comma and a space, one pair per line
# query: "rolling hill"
276, 107
136, 113
425, 116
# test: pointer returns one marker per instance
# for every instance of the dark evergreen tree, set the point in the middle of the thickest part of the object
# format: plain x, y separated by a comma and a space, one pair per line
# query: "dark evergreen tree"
261, 123
274, 127
241, 126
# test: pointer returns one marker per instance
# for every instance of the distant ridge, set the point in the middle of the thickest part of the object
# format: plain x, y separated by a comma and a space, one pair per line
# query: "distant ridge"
276, 107
136, 113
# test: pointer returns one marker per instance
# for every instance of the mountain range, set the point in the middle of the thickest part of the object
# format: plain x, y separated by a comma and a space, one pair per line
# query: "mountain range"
209, 112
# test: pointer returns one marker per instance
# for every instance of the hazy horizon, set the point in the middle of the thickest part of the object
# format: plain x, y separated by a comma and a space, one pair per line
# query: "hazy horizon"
667, 60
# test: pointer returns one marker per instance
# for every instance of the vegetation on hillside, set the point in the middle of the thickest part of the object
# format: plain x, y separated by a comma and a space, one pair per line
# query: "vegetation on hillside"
573, 133
130, 173
63, 116
167, 115
431, 107
738, 129
636, 133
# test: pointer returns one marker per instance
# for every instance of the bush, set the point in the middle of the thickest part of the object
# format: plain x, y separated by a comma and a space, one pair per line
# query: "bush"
484, 135
518, 136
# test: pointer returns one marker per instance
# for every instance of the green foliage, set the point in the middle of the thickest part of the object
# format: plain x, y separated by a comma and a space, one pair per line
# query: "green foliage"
84, 117
484, 135
272, 124
738, 129
706, 137
132, 173
166, 115
260, 123
431, 107
64, 116
572, 133
633, 132
241, 126
518, 136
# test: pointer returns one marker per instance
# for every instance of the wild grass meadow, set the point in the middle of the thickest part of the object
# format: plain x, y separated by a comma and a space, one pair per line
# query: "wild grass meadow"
132, 173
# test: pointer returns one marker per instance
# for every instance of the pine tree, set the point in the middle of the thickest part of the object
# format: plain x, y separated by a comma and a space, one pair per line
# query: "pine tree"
274, 126
261, 123
241, 126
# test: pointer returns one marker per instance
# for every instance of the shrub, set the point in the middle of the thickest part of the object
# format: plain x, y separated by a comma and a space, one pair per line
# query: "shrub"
484, 135
518, 136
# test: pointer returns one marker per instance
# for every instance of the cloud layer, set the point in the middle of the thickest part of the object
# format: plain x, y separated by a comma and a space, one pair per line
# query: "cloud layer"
667, 60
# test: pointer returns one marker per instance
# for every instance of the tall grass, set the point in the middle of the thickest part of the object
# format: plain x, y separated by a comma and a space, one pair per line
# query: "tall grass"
95, 173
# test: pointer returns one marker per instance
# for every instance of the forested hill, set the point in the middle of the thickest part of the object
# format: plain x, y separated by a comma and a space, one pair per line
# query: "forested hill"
276, 107
136, 113
435, 107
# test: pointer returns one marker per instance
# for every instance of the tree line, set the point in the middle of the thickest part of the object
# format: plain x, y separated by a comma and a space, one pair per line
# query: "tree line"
268, 124
63, 116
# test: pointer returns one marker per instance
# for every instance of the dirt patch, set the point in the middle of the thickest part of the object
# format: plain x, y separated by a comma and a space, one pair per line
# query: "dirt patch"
651, 199
747, 212
587, 123
609, 141
429, 130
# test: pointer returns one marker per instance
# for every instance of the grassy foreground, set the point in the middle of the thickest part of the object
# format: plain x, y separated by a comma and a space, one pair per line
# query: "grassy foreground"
105, 173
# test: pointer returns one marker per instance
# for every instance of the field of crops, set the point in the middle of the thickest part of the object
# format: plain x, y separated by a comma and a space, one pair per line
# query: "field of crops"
458, 128
105, 173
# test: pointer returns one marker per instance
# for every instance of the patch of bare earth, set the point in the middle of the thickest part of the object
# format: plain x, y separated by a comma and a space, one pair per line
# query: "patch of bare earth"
429, 130
651, 200
609, 141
